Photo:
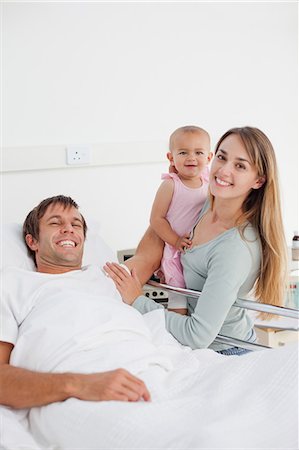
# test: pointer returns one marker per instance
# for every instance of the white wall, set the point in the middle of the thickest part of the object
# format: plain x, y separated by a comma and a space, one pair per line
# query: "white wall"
128, 72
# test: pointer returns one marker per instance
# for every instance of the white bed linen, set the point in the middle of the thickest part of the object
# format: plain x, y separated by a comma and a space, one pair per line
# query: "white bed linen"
200, 400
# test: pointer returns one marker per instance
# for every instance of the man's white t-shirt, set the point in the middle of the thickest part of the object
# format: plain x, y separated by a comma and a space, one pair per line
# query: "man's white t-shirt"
68, 321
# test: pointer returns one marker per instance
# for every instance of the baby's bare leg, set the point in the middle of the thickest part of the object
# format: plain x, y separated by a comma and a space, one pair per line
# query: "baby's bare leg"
148, 256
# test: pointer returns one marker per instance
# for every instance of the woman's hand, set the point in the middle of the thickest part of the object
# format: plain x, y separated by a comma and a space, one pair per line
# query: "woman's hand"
128, 285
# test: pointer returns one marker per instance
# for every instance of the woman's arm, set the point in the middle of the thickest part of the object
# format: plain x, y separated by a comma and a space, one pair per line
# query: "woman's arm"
228, 267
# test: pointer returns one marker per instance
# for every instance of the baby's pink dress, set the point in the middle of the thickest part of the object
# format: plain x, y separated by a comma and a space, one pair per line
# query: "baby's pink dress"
182, 214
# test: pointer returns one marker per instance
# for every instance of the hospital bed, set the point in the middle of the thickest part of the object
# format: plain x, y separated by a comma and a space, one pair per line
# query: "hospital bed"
200, 399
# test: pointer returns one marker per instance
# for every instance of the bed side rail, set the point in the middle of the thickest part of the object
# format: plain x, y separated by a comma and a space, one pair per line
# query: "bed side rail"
241, 303
240, 343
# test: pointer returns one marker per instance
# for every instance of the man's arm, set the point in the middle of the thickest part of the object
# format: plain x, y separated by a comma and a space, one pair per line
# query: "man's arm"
22, 388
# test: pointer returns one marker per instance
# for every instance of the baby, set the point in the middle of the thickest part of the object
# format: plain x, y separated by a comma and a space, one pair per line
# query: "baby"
179, 200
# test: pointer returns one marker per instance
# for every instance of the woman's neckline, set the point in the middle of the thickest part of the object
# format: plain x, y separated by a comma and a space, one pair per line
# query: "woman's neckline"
217, 236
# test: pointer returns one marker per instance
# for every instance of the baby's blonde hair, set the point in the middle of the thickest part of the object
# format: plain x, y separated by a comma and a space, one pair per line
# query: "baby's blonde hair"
186, 129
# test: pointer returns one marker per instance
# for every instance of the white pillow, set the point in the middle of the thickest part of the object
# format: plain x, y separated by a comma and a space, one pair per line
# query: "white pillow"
14, 250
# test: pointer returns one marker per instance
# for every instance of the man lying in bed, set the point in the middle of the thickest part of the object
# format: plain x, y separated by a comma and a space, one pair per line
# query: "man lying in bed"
65, 300
64, 334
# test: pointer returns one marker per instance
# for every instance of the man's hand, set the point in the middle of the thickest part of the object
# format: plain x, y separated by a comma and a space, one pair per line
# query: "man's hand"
182, 243
117, 385
128, 285
22, 388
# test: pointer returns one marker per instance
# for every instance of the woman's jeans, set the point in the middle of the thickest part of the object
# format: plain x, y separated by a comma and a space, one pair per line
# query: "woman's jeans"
239, 351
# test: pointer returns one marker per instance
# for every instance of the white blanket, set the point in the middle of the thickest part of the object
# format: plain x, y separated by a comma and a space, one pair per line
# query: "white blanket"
200, 399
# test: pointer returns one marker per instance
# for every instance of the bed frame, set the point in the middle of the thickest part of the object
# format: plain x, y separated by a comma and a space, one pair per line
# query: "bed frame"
240, 303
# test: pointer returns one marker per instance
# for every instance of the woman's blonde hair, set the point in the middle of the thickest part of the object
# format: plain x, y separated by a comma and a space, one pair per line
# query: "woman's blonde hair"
262, 209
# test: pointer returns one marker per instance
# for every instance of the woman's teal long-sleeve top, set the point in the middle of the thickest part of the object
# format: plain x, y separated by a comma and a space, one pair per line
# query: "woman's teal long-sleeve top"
223, 269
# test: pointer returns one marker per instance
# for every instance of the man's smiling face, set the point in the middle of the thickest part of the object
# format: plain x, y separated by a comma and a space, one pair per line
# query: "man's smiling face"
59, 247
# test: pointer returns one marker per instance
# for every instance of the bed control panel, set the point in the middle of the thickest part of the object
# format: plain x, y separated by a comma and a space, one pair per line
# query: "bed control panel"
155, 294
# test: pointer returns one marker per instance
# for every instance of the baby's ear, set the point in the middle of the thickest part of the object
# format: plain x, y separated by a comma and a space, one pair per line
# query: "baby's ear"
170, 158
210, 156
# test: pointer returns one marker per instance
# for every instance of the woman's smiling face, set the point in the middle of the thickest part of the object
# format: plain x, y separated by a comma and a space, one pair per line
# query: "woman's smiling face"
232, 173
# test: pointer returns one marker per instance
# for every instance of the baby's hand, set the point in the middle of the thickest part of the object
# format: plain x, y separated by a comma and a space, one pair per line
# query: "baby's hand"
183, 243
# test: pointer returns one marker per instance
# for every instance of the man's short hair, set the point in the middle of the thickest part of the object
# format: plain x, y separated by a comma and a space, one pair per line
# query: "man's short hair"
31, 223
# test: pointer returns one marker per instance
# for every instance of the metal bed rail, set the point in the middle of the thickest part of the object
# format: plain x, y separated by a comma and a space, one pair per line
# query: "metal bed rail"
240, 343
240, 303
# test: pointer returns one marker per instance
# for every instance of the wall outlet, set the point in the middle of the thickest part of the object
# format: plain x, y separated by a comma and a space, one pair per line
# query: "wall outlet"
78, 154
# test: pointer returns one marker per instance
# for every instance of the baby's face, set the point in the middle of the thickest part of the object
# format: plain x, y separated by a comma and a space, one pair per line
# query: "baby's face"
190, 153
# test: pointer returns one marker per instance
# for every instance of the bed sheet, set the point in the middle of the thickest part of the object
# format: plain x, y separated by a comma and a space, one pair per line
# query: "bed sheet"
200, 400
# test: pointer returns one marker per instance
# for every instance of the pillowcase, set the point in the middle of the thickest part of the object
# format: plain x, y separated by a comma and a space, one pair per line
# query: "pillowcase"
14, 250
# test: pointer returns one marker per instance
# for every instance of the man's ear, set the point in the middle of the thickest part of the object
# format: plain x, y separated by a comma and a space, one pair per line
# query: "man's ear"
259, 182
31, 242
170, 158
